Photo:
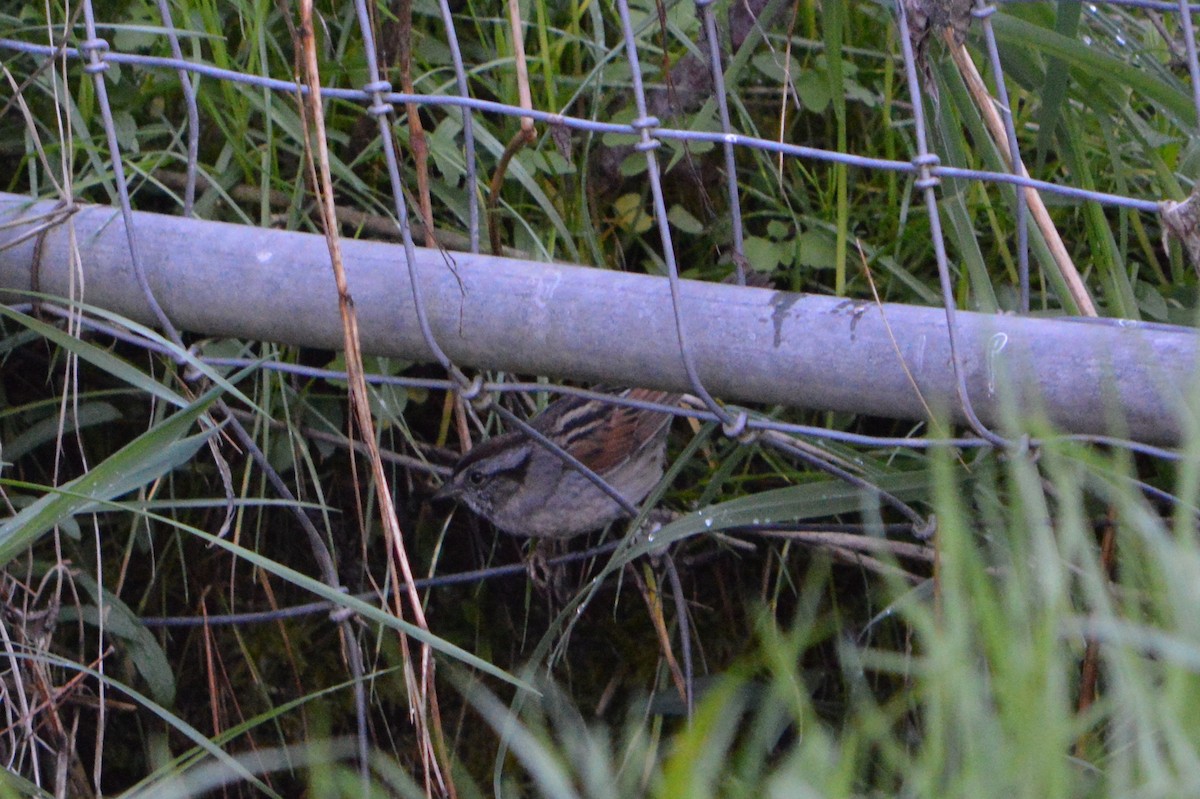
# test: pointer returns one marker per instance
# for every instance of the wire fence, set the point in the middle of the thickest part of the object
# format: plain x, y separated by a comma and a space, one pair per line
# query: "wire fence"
379, 100
376, 99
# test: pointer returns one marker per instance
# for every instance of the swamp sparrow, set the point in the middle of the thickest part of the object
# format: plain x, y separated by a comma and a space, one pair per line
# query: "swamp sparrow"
526, 489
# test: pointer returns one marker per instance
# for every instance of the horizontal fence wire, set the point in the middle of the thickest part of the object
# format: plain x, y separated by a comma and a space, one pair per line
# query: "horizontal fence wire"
595, 126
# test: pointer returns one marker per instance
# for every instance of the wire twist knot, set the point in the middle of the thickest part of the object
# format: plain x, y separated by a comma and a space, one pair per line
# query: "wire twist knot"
923, 163
375, 90
94, 49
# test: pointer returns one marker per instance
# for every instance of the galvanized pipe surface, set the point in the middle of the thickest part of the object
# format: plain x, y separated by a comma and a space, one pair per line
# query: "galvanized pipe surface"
752, 345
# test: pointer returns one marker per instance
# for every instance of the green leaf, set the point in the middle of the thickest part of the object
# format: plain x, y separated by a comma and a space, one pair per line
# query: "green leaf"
833, 19
14, 784
682, 219
772, 65
764, 255
859, 93
631, 214
547, 162
126, 128
142, 35
818, 249
68, 527
1058, 77
119, 620
1151, 302
961, 231
813, 89
779, 231
445, 150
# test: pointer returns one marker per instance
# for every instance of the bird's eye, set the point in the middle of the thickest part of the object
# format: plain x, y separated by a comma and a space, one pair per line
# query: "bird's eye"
475, 477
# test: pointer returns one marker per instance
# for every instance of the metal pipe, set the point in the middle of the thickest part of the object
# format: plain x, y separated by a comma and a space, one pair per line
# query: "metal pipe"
753, 345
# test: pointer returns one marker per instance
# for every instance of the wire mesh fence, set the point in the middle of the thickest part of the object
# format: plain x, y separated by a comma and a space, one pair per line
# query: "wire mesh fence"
655, 107
924, 169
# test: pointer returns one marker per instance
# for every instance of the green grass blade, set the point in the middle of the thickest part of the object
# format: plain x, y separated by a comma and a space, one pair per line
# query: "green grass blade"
143, 460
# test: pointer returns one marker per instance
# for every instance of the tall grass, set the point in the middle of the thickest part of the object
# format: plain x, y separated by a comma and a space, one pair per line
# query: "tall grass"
961, 668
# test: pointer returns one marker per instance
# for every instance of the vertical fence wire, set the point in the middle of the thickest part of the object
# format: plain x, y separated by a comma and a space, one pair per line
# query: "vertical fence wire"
983, 12
704, 8
193, 113
644, 125
927, 183
468, 123
1189, 43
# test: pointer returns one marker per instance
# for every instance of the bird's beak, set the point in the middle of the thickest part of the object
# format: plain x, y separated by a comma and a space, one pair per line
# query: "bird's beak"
448, 491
